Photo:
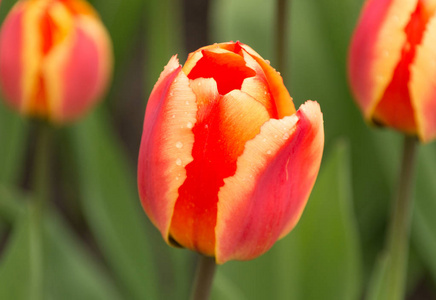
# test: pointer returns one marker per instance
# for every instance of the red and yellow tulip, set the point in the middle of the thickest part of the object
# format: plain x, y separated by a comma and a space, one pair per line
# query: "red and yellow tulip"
55, 58
226, 163
392, 65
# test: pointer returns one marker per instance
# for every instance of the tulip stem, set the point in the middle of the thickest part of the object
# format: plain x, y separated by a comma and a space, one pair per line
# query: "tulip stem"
281, 26
203, 278
40, 185
398, 239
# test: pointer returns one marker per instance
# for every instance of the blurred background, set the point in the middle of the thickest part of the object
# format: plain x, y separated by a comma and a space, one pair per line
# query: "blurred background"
97, 242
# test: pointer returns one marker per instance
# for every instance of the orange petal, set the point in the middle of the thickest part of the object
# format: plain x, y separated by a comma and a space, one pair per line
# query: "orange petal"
257, 86
282, 99
274, 177
376, 49
166, 144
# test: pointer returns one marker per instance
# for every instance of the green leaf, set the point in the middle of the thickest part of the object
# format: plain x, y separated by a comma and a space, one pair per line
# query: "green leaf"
320, 259
13, 134
112, 208
424, 222
377, 289
71, 272
21, 267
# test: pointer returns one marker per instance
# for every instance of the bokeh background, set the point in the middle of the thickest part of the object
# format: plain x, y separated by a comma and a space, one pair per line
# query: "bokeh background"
98, 244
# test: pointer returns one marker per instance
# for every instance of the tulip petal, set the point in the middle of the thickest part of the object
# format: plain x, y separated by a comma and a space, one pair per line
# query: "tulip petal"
282, 99
85, 69
34, 101
257, 86
224, 124
11, 66
166, 145
376, 49
265, 198
422, 84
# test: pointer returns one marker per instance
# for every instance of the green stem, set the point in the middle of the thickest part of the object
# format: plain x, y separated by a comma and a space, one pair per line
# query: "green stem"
203, 278
398, 239
40, 185
281, 34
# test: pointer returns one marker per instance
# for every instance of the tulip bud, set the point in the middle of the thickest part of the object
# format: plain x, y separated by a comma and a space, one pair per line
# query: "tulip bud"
392, 65
226, 163
55, 58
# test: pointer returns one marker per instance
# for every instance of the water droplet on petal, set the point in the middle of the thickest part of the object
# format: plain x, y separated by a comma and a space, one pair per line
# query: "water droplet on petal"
264, 140
189, 125
187, 102
179, 145
268, 152
286, 136
179, 162
173, 116
171, 93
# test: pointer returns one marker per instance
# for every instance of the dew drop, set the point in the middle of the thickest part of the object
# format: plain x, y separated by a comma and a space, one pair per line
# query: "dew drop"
206, 126
268, 152
286, 136
187, 102
264, 140
177, 178
179, 162
173, 116
179, 145
267, 61
171, 93
276, 136
175, 80
189, 125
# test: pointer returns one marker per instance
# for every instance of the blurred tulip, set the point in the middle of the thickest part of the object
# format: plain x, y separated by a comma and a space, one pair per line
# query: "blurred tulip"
392, 65
226, 163
55, 58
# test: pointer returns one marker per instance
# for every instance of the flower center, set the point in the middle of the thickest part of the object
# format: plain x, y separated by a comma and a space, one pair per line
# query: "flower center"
228, 69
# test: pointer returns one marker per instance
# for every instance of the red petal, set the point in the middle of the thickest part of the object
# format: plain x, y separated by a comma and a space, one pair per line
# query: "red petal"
166, 145
86, 67
275, 175
376, 49
11, 66
224, 124
423, 84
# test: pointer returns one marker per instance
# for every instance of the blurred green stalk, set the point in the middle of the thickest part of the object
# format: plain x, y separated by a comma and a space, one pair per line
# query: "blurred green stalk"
40, 185
203, 278
281, 33
398, 238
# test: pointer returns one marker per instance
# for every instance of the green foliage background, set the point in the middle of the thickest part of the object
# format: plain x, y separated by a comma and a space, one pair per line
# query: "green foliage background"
96, 242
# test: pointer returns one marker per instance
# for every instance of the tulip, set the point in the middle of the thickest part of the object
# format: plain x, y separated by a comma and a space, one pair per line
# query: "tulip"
226, 163
392, 65
55, 58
